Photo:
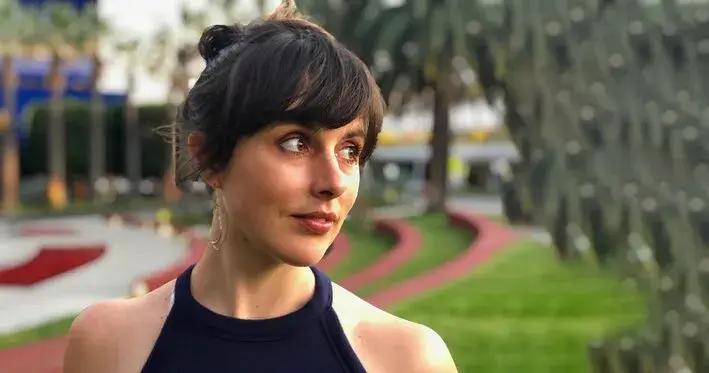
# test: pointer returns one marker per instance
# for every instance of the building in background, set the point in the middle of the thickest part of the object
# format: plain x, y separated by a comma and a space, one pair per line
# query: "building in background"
78, 3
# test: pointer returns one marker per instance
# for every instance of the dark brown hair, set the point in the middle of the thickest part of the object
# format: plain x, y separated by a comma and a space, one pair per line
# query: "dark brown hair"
282, 68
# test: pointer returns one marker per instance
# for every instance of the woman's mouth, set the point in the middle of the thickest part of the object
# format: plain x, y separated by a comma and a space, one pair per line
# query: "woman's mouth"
317, 222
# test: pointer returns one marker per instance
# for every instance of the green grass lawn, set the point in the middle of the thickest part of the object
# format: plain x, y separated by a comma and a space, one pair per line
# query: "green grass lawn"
44, 331
441, 243
123, 204
526, 312
365, 248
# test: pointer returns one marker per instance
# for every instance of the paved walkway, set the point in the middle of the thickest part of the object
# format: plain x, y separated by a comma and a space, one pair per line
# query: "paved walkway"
480, 204
110, 276
491, 239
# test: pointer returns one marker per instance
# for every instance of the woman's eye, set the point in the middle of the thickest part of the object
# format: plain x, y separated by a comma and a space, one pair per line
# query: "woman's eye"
350, 153
294, 145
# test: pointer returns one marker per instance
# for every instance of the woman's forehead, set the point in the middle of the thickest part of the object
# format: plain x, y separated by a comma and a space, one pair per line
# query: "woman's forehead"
356, 127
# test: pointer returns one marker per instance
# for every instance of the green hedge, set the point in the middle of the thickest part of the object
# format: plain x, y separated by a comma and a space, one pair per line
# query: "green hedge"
77, 119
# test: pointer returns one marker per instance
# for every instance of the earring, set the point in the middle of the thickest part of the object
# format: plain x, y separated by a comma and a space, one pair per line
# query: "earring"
217, 243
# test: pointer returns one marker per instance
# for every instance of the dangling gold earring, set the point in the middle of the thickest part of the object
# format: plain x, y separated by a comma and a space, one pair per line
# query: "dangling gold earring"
217, 243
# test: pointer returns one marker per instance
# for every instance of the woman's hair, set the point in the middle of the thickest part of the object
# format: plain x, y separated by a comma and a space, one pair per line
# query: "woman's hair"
282, 68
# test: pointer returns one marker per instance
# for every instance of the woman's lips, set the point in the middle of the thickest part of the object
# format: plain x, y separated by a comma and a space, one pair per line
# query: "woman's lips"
316, 225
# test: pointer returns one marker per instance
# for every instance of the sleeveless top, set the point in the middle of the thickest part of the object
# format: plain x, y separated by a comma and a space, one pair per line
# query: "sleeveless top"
195, 339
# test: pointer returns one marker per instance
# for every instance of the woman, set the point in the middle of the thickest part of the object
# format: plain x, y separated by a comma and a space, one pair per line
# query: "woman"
278, 124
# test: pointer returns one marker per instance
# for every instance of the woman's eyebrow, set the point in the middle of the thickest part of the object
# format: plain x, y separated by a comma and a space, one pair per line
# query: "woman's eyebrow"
293, 125
355, 133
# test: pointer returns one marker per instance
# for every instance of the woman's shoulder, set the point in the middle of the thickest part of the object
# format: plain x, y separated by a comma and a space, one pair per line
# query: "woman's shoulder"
387, 342
115, 333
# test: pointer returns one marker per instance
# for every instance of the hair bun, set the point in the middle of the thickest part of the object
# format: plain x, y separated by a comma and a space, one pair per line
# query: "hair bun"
217, 37
286, 10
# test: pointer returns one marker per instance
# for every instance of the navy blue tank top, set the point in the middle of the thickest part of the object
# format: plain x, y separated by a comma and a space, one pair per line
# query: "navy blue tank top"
194, 339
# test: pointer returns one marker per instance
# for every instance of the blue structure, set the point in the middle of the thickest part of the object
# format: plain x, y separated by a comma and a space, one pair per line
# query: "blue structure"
32, 74
31, 87
78, 3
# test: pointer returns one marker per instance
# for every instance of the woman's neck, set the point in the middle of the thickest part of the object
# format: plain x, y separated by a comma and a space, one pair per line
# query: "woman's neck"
246, 283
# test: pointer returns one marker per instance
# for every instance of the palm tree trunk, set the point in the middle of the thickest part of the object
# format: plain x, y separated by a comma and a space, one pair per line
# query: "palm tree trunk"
133, 154
179, 86
56, 137
10, 149
97, 132
440, 145
171, 192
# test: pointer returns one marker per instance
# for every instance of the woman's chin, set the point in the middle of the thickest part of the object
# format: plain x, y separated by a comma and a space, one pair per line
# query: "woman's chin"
301, 255
302, 260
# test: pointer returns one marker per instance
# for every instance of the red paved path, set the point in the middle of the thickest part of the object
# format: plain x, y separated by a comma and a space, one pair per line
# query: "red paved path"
491, 238
408, 243
49, 262
45, 356
39, 357
339, 252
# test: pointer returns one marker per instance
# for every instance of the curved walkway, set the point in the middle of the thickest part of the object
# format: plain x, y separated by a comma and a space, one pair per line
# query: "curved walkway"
45, 356
340, 251
67, 293
408, 243
71, 292
491, 238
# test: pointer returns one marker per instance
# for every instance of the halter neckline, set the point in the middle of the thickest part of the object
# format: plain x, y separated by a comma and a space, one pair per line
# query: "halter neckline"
184, 305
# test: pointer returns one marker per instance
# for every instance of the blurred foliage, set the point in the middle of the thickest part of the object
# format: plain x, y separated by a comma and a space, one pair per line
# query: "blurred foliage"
76, 116
607, 104
419, 51
606, 101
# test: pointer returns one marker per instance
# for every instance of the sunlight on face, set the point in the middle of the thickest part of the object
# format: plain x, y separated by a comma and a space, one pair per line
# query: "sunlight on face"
289, 188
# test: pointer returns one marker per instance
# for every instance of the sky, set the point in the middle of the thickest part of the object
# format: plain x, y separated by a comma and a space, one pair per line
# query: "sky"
140, 19
137, 18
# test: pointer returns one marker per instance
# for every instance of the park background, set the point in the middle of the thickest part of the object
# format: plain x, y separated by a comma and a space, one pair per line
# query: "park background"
539, 194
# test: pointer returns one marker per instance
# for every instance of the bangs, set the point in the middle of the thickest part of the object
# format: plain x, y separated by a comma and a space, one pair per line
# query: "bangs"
311, 80
270, 72
330, 93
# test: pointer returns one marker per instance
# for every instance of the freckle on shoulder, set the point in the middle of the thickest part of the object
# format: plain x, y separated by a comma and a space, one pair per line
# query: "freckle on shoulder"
98, 321
110, 332
93, 336
108, 320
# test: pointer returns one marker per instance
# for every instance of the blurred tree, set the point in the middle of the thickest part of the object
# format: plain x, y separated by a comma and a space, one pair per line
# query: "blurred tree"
13, 28
57, 23
419, 51
172, 55
58, 30
606, 102
130, 49
162, 55
336, 16
89, 28
261, 4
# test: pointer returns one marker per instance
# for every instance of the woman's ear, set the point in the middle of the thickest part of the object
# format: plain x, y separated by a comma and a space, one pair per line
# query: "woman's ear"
195, 142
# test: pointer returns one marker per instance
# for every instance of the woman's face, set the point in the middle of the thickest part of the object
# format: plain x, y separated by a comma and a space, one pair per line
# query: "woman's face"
288, 189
